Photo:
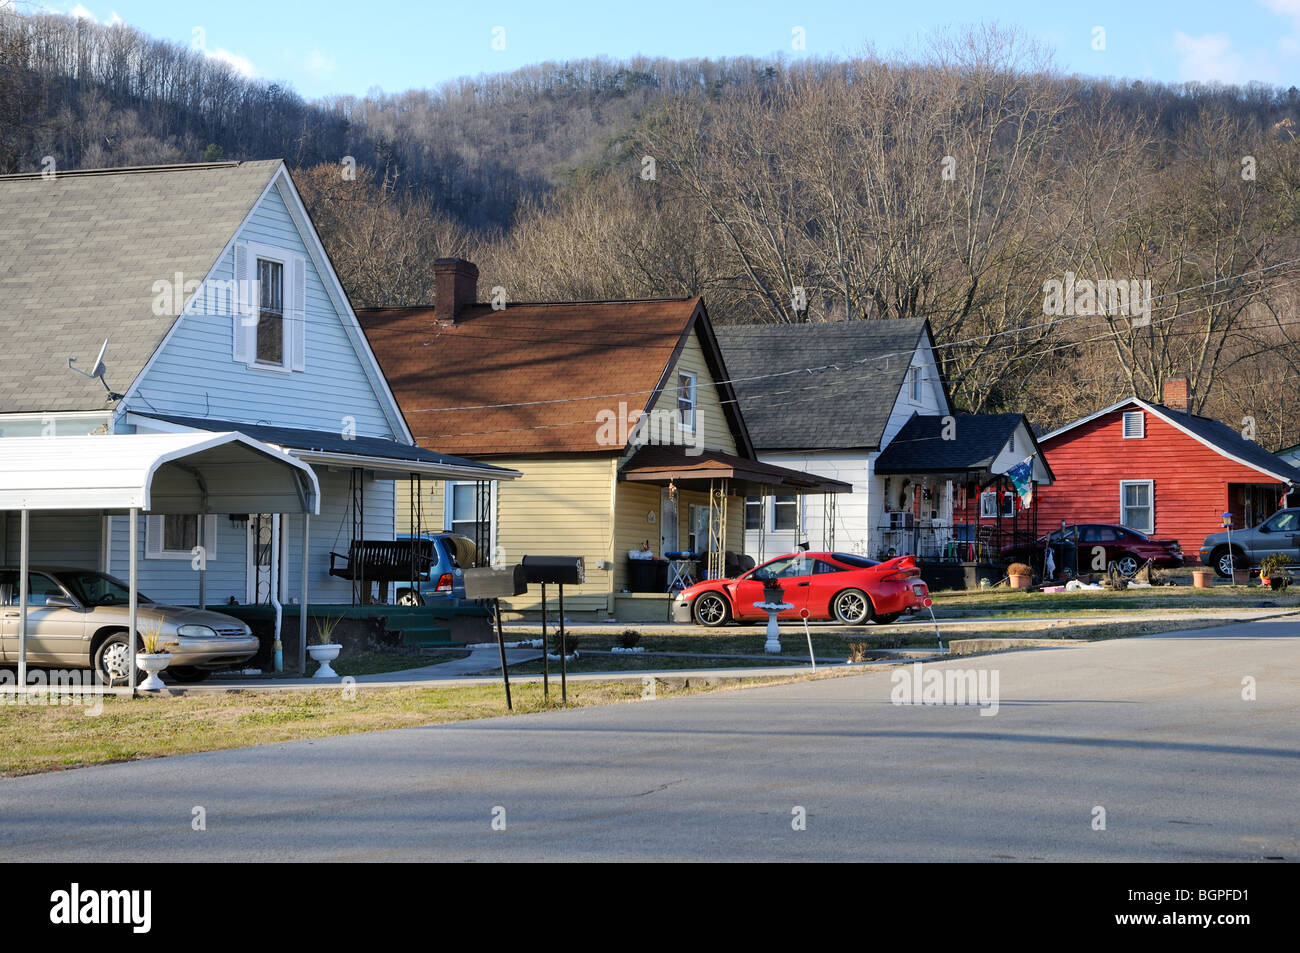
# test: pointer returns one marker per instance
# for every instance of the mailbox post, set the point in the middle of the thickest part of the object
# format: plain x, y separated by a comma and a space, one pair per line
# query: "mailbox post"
559, 570
487, 583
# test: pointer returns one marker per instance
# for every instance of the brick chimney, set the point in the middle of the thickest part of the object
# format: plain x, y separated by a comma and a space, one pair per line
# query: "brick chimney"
455, 288
1176, 395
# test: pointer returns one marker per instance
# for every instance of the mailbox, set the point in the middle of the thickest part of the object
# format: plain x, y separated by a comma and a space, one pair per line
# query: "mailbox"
487, 583
561, 569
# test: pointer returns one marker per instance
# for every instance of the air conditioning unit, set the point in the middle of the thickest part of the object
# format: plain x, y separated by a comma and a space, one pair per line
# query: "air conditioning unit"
900, 521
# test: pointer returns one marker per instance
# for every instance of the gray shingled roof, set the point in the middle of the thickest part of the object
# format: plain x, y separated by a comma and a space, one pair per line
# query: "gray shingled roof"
844, 406
1231, 442
79, 254
920, 448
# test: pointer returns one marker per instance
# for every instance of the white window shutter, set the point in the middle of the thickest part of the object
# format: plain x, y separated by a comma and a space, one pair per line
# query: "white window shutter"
245, 317
298, 322
153, 537
210, 536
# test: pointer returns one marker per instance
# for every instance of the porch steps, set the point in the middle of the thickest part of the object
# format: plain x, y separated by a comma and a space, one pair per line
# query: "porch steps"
426, 636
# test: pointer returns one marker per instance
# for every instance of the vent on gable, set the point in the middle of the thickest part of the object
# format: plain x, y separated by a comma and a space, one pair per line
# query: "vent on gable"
1134, 424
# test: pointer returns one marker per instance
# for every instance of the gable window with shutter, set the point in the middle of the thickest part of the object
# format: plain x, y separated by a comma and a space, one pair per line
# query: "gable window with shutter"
175, 536
270, 326
686, 406
1134, 425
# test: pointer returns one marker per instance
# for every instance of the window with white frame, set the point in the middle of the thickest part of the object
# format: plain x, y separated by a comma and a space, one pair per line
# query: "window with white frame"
686, 406
753, 512
1136, 505
914, 384
466, 501
268, 348
270, 325
174, 536
989, 504
785, 513
1134, 425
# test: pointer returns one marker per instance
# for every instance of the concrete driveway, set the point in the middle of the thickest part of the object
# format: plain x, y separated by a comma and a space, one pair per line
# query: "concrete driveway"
1153, 731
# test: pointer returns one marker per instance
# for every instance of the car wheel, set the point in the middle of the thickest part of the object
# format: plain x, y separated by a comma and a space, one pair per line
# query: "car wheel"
886, 619
408, 597
1127, 565
113, 661
712, 610
852, 607
1223, 565
188, 673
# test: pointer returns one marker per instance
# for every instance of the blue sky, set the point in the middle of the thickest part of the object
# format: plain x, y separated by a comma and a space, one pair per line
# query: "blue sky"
342, 46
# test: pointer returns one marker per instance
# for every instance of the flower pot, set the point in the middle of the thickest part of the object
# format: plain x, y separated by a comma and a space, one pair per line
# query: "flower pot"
1241, 577
1202, 578
774, 595
324, 654
152, 664
1021, 582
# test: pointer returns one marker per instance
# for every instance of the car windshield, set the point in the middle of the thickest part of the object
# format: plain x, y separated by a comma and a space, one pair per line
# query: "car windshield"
97, 589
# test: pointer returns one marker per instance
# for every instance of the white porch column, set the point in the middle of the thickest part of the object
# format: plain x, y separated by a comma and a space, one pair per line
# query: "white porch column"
203, 561
133, 598
24, 540
302, 603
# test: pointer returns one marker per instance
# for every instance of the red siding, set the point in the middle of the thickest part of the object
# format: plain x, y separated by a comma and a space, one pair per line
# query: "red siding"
1190, 479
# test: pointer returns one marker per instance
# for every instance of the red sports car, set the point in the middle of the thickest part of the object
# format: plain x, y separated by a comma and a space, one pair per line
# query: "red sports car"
848, 589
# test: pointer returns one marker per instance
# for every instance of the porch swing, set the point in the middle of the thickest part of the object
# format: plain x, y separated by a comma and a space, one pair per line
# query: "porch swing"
378, 562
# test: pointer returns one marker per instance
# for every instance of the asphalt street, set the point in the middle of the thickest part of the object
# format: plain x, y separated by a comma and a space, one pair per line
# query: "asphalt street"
1154, 732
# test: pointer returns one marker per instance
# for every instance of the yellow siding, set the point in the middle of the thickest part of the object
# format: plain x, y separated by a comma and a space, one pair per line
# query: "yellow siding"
559, 507
632, 528
717, 433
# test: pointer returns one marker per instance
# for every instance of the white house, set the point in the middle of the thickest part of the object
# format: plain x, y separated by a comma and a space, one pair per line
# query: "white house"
217, 310
865, 402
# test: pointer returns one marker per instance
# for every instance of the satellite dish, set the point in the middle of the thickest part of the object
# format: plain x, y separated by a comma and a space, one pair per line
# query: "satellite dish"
97, 372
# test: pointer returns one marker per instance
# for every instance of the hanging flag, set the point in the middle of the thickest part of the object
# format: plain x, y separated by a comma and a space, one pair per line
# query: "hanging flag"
1022, 478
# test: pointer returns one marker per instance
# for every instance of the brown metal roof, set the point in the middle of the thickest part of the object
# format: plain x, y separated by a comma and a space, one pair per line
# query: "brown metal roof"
534, 377
659, 464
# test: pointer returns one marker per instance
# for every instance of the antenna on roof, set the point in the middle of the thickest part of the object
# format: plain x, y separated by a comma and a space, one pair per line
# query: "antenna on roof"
96, 372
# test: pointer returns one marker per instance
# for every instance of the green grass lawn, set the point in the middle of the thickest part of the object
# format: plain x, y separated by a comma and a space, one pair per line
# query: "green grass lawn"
37, 738
379, 663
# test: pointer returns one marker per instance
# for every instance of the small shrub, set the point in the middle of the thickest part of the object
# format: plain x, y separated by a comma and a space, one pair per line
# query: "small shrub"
563, 645
325, 627
1019, 569
151, 637
858, 651
629, 638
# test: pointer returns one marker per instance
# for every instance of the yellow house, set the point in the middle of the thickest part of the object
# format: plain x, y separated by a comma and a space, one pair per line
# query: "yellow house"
619, 415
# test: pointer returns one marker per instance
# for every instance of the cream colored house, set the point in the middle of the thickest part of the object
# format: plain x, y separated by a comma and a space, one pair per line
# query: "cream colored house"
619, 415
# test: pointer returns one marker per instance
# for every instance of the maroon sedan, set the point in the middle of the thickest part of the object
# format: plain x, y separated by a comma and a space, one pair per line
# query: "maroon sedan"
1098, 546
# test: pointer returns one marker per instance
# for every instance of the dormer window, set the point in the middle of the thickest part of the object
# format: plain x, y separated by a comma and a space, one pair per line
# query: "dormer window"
270, 320
1134, 425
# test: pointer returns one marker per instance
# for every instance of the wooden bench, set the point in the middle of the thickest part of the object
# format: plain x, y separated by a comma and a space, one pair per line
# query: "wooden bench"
383, 560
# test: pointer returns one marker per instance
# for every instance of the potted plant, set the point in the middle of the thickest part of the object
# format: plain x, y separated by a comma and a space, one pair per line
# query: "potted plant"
324, 650
155, 656
627, 643
1273, 571
1021, 575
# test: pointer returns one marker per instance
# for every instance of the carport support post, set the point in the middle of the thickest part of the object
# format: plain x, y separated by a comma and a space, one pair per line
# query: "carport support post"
133, 597
302, 603
23, 543
203, 561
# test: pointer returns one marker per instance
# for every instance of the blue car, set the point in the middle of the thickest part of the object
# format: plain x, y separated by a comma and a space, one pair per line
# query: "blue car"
445, 580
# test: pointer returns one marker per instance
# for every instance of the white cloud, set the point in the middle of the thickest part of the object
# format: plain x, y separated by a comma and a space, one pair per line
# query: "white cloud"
81, 13
240, 64
1209, 57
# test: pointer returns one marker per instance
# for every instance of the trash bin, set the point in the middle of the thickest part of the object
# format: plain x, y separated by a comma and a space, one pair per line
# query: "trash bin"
647, 575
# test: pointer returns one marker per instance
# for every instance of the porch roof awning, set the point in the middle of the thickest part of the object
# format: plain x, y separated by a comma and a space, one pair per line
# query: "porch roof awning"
659, 464
387, 458
156, 473
963, 443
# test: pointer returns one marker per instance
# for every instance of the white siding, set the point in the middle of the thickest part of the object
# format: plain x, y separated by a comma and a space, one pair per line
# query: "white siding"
932, 399
851, 509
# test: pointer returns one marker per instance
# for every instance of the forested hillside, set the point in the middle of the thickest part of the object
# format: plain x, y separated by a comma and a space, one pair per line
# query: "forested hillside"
954, 185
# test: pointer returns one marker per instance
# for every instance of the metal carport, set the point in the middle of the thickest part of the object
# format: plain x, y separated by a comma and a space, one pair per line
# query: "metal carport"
187, 473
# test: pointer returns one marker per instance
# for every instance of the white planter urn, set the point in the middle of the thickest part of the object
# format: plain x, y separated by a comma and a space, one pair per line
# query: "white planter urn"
324, 654
151, 664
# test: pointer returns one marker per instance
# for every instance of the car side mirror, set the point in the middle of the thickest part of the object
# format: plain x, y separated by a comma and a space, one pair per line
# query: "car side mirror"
1265, 529
59, 602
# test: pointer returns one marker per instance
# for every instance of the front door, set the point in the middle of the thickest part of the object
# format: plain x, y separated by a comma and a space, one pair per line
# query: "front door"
259, 559
667, 524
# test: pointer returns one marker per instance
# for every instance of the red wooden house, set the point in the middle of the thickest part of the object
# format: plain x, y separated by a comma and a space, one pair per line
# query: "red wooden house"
1160, 470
